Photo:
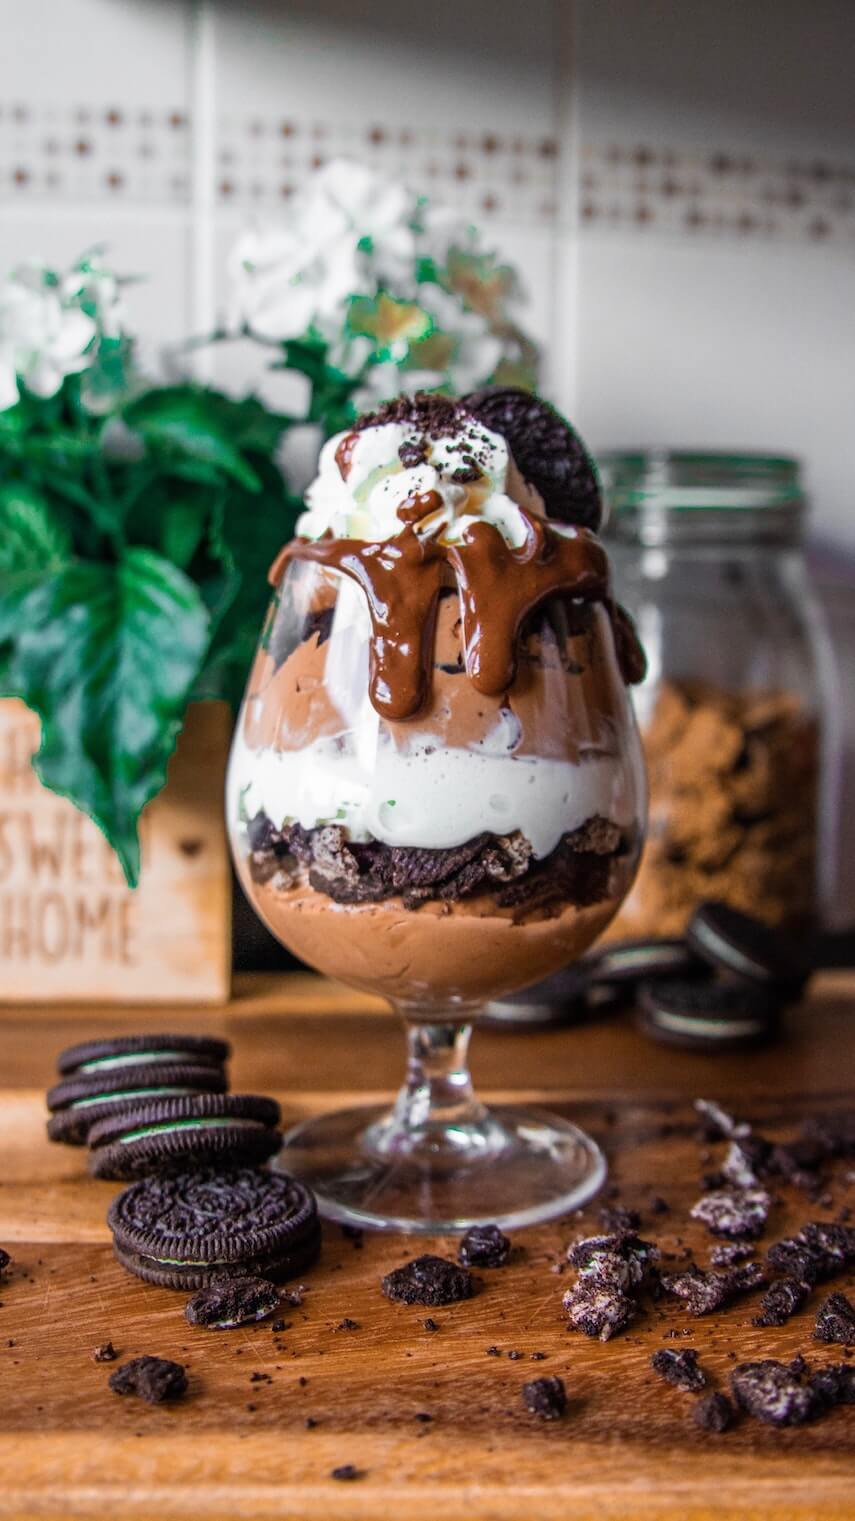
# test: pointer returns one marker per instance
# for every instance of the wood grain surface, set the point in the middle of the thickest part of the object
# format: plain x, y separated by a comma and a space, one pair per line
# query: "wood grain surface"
241, 1448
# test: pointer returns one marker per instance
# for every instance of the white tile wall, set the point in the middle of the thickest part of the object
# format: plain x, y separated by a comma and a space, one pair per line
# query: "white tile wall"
674, 178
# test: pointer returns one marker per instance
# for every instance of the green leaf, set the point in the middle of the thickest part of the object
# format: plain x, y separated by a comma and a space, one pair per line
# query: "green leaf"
106, 654
33, 536
246, 536
193, 422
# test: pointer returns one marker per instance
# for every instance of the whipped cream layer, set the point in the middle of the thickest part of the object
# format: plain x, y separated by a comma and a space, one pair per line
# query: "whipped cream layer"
362, 482
426, 796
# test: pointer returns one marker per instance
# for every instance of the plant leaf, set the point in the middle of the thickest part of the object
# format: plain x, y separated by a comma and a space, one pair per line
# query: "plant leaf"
196, 423
32, 535
106, 654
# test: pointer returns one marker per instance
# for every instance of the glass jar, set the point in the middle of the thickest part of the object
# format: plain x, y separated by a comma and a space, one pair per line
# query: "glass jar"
706, 550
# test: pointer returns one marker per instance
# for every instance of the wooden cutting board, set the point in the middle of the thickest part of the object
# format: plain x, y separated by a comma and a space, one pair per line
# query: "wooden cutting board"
239, 1446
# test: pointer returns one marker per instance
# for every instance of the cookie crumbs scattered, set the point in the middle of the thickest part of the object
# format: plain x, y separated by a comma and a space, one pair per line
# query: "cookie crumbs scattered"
679, 1368
545, 1397
714, 1412
153, 1379
105, 1353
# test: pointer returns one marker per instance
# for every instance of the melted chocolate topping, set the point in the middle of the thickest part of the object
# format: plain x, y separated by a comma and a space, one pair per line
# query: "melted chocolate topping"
402, 578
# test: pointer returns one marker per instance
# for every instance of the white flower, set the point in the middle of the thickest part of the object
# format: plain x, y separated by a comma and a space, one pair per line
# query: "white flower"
42, 338
97, 292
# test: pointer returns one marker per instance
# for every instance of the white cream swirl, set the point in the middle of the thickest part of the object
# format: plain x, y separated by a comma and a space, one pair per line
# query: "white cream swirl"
363, 503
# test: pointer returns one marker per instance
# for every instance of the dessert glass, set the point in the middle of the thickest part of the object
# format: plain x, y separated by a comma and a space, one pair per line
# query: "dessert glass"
440, 859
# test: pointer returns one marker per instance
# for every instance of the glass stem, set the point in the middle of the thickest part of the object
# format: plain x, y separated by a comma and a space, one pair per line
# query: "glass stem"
436, 1112
438, 1089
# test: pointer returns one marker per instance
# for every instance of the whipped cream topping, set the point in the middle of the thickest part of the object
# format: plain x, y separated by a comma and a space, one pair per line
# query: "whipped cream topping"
365, 478
426, 795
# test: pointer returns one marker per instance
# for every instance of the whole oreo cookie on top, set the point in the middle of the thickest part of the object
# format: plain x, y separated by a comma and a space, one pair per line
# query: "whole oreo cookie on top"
186, 1230
79, 1102
169, 1135
548, 452
124, 1052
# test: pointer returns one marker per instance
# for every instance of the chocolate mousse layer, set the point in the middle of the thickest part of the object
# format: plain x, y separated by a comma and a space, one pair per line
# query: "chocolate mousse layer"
577, 872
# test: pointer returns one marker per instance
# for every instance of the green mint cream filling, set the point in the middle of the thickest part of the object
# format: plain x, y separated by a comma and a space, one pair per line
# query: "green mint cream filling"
167, 1127
133, 1059
133, 1093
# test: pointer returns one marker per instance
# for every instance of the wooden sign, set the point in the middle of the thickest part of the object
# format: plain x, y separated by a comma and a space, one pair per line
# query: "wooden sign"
70, 928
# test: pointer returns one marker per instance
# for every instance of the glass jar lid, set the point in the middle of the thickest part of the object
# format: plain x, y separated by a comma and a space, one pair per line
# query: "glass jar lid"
662, 496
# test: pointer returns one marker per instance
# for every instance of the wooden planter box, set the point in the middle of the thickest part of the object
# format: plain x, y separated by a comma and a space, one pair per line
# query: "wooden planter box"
69, 926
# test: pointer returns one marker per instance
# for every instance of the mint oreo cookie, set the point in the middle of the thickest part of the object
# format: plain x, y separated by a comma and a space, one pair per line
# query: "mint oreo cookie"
549, 453
79, 1102
187, 1230
122, 1053
173, 1134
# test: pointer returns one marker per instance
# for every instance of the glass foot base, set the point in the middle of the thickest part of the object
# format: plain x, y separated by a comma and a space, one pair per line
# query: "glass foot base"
516, 1167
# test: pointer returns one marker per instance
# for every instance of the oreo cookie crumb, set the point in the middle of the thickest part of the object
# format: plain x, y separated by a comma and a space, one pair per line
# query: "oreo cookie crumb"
622, 1261
106, 1353
515, 1356
310, 1423
705, 1292
347, 1325
346, 1472
659, 1206
597, 1311
484, 1246
430, 1324
423, 1415
153, 1379
731, 1253
355, 1235
5, 1259
782, 1299
771, 1392
545, 1398
835, 1320
279, 1325
494, 1351
428, 1280
714, 1412
734, 1211
834, 1384
230, 1302
679, 1368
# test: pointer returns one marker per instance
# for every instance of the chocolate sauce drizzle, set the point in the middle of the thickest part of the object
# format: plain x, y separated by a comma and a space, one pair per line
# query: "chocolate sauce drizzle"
402, 578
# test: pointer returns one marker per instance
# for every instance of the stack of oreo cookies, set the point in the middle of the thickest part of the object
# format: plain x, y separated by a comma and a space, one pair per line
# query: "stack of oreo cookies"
202, 1210
157, 1104
102, 1079
721, 987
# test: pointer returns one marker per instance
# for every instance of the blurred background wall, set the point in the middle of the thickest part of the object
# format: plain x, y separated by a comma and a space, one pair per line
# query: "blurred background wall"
674, 178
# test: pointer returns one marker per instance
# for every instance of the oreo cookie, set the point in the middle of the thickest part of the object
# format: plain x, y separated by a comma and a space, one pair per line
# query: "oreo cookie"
77, 1103
187, 1230
549, 453
633, 961
706, 1016
174, 1134
746, 948
126, 1052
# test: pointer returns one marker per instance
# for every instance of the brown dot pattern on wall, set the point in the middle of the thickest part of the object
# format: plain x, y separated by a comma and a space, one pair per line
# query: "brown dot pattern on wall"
498, 176
649, 189
95, 152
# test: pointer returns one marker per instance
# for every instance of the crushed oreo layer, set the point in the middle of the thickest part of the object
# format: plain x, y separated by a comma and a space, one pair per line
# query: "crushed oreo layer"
577, 871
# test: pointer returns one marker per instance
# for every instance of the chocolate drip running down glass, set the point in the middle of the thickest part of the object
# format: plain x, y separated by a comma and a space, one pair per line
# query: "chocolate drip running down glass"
436, 790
